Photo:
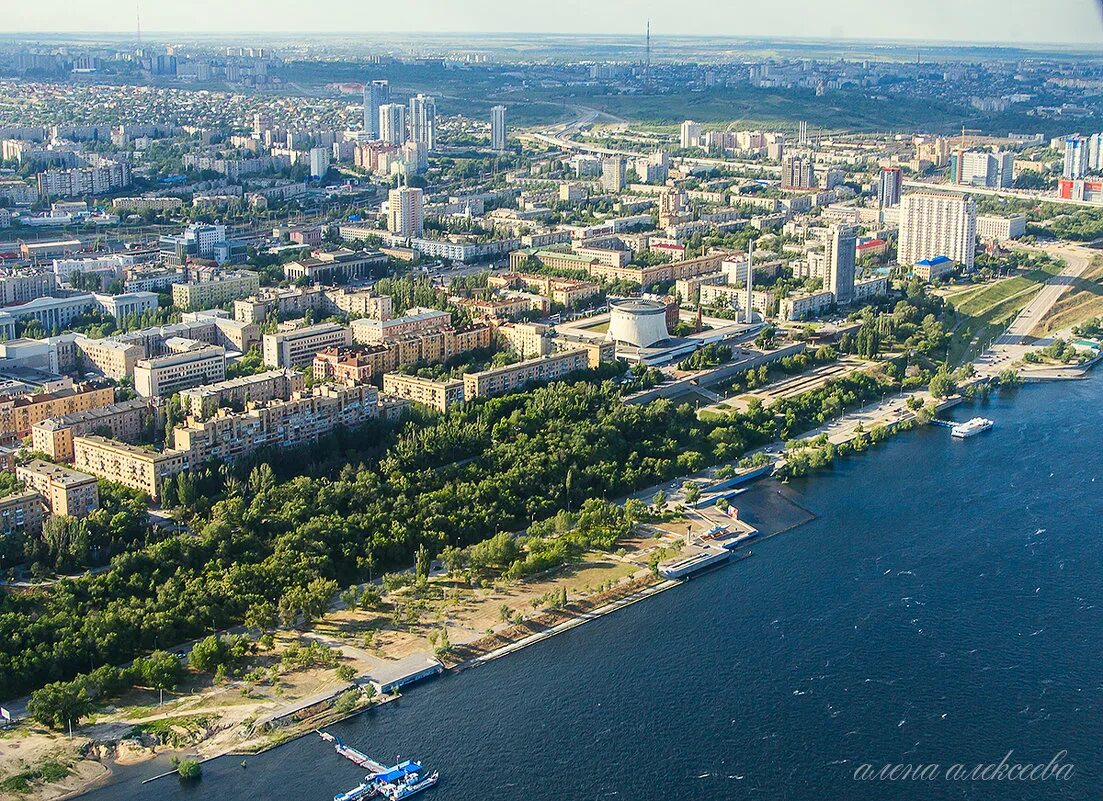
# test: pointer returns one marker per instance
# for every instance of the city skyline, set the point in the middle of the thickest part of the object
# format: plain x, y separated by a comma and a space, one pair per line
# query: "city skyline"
1070, 22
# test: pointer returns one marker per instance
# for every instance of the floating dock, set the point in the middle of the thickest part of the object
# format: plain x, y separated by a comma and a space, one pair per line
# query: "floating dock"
684, 568
352, 755
394, 783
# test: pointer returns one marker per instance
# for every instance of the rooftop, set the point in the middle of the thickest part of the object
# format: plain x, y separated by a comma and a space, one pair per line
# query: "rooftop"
90, 415
57, 473
206, 352
638, 306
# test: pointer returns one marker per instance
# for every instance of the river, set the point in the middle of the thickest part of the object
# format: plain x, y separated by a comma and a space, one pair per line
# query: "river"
945, 606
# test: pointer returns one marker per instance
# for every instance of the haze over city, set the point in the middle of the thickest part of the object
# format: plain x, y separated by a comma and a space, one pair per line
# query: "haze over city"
502, 400
1024, 21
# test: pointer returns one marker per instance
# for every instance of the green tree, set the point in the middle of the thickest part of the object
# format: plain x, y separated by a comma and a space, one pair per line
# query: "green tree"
58, 704
942, 385
422, 563
209, 654
189, 770
261, 616
453, 559
160, 670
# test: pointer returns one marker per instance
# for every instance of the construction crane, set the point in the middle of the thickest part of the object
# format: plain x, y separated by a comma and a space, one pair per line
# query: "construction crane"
964, 131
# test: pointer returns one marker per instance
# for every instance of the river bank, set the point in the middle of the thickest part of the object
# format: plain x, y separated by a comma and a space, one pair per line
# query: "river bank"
922, 614
273, 703
478, 630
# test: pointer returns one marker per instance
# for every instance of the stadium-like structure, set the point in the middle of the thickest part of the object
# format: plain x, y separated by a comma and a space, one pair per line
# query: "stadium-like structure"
638, 322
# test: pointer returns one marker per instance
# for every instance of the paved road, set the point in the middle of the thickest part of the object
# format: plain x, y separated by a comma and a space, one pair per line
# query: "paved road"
883, 412
1047, 197
553, 137
1013, 343
1078, 260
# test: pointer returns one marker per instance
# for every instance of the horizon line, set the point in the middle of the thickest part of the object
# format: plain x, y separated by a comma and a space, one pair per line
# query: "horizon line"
1087, 46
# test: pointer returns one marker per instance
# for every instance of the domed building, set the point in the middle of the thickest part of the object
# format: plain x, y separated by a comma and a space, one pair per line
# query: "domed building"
638, 322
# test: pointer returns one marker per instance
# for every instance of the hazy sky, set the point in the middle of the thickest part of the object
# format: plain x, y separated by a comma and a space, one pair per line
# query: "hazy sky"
1010, 21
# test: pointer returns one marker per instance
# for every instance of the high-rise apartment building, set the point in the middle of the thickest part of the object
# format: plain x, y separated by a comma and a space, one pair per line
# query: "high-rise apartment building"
690, 134
1076, 157
392, 123
840, 249
798, 172
376, 94
406, 211
888, 188
319, 161
498, 128
423, 121
1095, 153
937, 224
613, 174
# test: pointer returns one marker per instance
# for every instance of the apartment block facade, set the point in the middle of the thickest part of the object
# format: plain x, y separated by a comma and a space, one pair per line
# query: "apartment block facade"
437, 395
297, 348
124, 421
21, 513
64, 491
203, 401
416, 320
230, 435
218, 290
541, 370
133, 466
18, 415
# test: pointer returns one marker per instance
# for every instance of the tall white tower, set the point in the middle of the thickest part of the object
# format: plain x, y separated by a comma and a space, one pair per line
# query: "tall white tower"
750, 281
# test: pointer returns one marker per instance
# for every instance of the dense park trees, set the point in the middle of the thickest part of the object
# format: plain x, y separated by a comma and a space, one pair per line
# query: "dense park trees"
484, 468
264, 550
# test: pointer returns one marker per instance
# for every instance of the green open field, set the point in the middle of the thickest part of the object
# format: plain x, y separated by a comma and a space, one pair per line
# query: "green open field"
984, 312
473, 90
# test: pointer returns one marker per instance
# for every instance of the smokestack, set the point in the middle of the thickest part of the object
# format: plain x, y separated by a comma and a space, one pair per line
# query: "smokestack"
750, 280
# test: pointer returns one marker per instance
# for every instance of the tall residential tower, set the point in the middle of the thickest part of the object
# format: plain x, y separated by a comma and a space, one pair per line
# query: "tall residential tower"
423, 121
937, 224
376, 94
406, 211
498, 128
392, 123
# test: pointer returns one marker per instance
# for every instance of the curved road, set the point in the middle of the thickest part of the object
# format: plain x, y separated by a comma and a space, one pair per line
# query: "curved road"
1013, 343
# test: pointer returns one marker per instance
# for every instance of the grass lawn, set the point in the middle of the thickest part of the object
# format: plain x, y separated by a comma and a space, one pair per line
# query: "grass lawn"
986, 311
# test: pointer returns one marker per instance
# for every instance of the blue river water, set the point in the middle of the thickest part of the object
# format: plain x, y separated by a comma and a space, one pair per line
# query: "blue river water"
945, 606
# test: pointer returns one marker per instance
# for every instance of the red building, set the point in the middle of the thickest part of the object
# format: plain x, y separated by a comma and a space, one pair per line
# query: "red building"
1087, 189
